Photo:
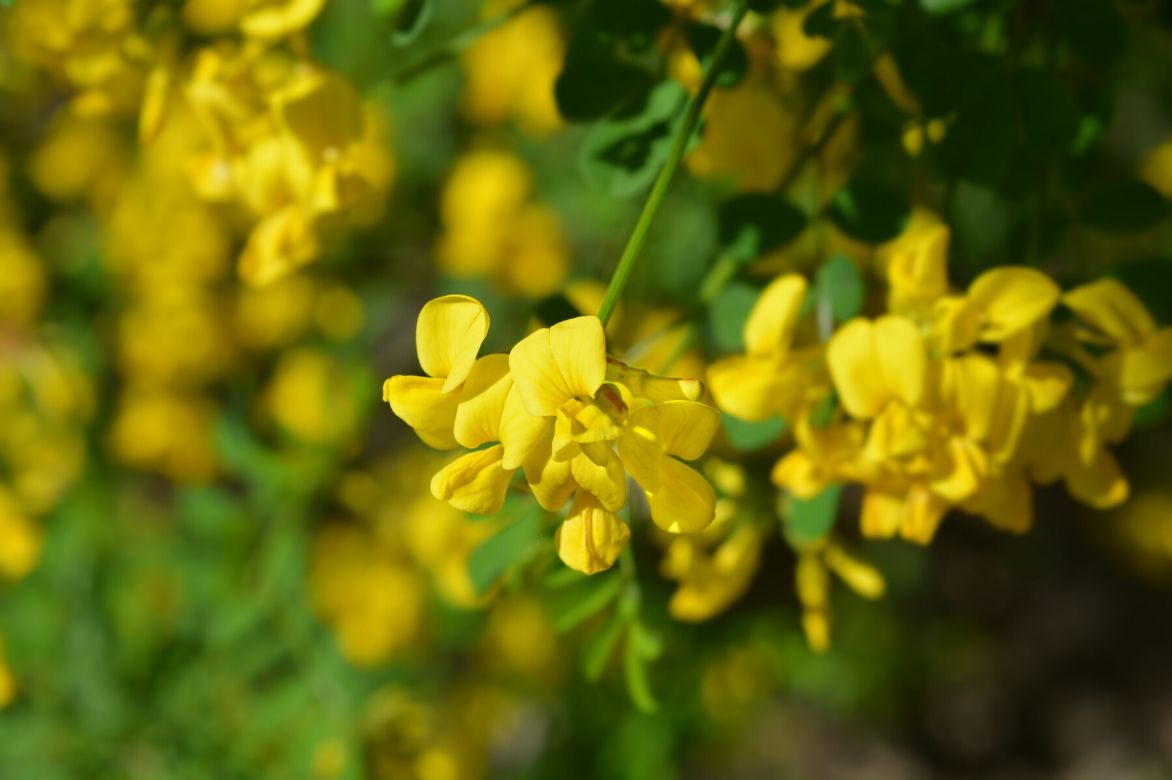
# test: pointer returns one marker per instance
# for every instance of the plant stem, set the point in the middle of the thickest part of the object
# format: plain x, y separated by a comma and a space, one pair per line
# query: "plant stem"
679, 145
452, 47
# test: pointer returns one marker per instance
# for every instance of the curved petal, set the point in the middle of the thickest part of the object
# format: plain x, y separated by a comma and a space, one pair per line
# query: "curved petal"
1113, 310
770, 327
482, 402
448, 334
520, 431
537, 375
687, 428
599, 471
747, 388
474, 482
549, 479
902, 358
640, 448
421, 403
853, 360
579, 347
685, 501
591, 537
1012, 299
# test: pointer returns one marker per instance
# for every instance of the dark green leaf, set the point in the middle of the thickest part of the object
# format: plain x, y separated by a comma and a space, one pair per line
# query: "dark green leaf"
747, 436
869, 211
820, 23
635, 666
410, 21
728, 313
703, 39
593, 84
811, 519
1125, 207
635, 21
622, 156
754, 224
1049, 115
943, 6
601, 646
840, 285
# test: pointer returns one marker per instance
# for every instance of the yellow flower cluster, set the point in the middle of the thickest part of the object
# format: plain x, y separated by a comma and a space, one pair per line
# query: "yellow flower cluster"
573, 420
951, 400
286, 143
491, 227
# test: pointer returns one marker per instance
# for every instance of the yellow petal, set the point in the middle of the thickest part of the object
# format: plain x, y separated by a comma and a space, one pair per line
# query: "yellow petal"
1011, 299
770, 327
798, 473
963, 466
1111, 310
640, 448
520, 431
1047, 385
421, 403
973, 383
276, 20
448, 335
685, 502
882, 513
745, 387
553, 365
474, 482
1143, 372
1100, 483
591, 538
322, 112
687, 428
549, 479
860, 576
579, 347
600, 471
854, 366
482, 402
643, 384
901, 357
923, 511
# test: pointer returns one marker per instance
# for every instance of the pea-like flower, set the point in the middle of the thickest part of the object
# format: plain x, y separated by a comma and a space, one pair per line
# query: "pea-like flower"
575, 422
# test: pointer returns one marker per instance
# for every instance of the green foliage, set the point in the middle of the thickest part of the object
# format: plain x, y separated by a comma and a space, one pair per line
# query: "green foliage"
810, 519
623, 154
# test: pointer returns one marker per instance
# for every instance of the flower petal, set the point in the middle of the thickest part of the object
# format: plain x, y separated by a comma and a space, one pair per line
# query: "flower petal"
482, 401
579, 347
745, 387
687, 428
902, 359
770, 327
421, 403
640, 448
474, 482
591, 537
1012, 299
600, 471
854, 365
520, 431
448, 334
1113, 310
685, 502
549, 479
537, 375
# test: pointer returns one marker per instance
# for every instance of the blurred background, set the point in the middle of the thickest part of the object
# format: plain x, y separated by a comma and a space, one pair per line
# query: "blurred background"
218, 222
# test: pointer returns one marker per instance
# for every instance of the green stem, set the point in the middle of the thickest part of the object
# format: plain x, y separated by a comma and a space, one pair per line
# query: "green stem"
622, 272
452, 47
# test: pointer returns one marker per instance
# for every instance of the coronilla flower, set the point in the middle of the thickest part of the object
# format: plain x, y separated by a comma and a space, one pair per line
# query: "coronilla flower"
574, 421
816, 562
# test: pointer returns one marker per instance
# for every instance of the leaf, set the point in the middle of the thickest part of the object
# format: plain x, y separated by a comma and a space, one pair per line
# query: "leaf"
754, 224
820, 22
728, 313
1049, 115
1125, 207
554, 309
573, 605
510, 546
811, 519
410, 20
635, 667
623, 155
601, 646
869, 211
635, 21
703, 38
840, 285
747, 436
593, 84
943, 6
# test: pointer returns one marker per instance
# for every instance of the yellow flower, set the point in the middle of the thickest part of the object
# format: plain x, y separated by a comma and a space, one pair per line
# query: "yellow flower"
7, 681
812, 583
311, 396
20, 539
512, 70
711, 579
574, 420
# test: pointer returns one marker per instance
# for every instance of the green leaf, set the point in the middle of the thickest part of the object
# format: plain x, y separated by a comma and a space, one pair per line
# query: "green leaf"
510, 546
728, 313
747, 436
1125, 207
821, 23
410, 20
840, 285
602, 645
623, 155
869, 211
571, 606
811, 519
593, 84
635, 21
943, 6
635, 666
754, 224
703, 39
